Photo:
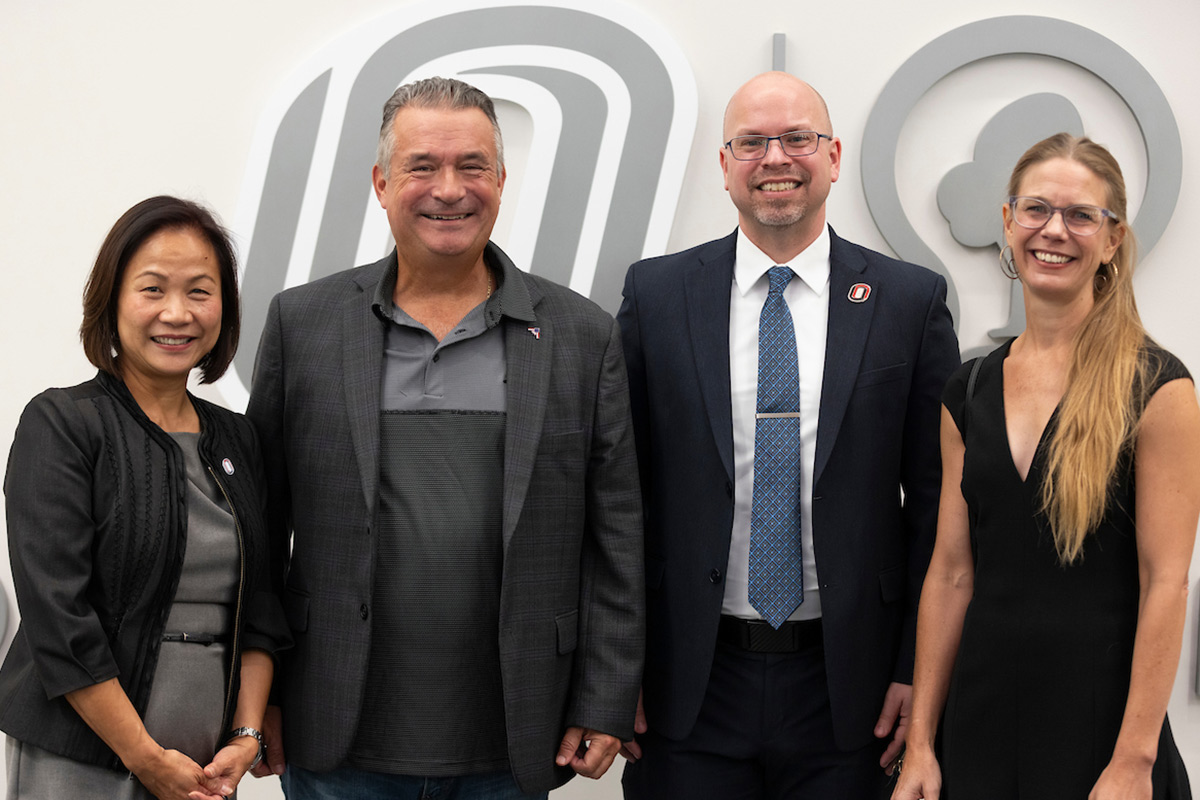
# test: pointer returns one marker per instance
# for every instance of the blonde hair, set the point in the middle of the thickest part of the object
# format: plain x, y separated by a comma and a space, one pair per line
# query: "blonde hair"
1106, 380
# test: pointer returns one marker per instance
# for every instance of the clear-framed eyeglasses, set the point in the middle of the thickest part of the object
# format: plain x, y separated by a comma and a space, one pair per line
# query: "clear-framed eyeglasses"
794, 143
1082, 220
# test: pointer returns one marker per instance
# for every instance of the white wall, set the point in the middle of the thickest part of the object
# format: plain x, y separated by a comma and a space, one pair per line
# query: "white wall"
104, 104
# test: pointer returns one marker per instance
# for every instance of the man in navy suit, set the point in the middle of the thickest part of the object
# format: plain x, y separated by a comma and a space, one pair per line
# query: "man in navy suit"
782, 606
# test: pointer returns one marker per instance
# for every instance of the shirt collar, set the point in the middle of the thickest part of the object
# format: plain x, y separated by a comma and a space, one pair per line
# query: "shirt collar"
510, 297
811, 265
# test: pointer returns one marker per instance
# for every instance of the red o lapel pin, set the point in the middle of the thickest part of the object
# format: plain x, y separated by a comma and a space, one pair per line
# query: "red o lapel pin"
859, 293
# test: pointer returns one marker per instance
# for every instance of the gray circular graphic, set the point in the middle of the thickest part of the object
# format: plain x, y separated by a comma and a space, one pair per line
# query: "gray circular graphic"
1017, 35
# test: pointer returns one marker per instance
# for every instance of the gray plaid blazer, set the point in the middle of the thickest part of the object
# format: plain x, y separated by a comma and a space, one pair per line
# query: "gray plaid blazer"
571, 626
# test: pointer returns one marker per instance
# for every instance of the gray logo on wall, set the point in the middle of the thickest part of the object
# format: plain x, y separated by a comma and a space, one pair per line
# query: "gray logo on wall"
970, 194
613, 105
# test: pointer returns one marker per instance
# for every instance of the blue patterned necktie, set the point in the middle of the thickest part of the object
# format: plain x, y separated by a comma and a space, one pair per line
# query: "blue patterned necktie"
775, 571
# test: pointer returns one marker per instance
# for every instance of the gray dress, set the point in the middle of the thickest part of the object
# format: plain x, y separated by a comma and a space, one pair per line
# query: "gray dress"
188, 695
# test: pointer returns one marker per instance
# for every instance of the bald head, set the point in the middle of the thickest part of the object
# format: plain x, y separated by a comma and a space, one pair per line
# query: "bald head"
780, 197
781, 90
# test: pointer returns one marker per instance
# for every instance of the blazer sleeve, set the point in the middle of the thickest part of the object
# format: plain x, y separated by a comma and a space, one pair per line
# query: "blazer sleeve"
921, 467
266, 411
635, 366
266, 627
49, 504
608, 666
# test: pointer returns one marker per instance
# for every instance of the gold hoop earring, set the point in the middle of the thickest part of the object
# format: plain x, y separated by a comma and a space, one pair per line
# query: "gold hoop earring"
1007, 265
1106, 277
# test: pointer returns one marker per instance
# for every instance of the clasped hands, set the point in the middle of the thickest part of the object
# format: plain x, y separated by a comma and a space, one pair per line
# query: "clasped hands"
174, 776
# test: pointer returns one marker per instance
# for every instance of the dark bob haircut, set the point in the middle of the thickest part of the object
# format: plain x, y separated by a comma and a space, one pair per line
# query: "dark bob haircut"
99, 329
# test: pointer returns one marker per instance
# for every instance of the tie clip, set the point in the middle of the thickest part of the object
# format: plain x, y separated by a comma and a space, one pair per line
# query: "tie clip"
777, 415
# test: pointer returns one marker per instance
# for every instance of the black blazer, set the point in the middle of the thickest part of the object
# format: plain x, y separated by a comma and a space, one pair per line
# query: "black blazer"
886, 361
97, 527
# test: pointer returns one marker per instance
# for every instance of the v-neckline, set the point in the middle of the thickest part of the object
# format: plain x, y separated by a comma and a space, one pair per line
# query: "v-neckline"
1012, 460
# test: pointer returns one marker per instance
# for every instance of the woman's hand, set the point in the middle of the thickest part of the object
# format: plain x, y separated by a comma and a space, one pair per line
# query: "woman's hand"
170, 775
1124, 779
167, 774
229, 765
920, 776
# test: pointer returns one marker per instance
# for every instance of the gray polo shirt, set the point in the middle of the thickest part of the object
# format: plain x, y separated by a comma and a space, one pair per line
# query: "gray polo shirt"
436, 705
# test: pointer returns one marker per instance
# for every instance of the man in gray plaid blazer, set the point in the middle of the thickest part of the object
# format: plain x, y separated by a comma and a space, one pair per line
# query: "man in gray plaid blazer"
450, 459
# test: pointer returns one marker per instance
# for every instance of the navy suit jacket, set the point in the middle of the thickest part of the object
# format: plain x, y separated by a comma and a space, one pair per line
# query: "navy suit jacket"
886, 361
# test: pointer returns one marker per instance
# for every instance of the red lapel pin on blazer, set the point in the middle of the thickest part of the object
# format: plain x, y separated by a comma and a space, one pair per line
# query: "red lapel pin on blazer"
859, 293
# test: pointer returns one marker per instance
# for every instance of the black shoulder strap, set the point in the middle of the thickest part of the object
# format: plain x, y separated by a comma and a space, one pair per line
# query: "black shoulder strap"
974, 376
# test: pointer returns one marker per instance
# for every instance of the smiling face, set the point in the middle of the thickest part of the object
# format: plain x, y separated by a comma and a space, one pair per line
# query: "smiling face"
442, 190
779, 194
168, 307
1052, 260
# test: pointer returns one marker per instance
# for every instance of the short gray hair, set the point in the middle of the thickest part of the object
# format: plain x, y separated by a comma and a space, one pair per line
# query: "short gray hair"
446, 93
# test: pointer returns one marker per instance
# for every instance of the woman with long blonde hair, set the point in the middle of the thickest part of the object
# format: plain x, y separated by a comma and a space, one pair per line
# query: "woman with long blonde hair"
1052, 614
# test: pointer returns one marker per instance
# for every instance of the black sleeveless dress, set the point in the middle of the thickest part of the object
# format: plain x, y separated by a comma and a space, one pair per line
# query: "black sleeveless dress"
1042, 672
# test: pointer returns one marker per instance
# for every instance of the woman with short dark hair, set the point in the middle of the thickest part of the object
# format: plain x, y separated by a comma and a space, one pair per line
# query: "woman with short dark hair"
138, 545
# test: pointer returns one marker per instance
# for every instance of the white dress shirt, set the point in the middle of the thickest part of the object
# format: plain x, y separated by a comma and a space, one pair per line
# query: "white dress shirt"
808, 299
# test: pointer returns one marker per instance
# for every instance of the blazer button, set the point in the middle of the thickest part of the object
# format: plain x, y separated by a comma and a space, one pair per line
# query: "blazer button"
362, 611
715, 576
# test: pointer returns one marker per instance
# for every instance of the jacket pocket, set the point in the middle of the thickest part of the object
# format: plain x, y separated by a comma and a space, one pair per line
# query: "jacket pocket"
882, 375
892, 584
568, 443
567, 625
295, 608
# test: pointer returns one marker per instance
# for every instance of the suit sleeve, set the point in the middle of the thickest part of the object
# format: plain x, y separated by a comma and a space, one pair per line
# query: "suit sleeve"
266, 410
635, 366
266, 626
48, 492
921, 469
608, 667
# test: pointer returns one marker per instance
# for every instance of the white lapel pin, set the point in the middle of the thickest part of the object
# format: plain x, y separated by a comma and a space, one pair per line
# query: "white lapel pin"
228, 465
537, 332
859, 293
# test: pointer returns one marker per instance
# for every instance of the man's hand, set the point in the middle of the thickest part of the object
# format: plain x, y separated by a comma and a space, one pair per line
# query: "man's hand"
590, 753
273, 762
897, 710
631, 749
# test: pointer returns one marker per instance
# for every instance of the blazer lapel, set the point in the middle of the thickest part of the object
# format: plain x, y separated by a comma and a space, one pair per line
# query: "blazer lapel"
528, 358
362, 343
849, 324
707, 287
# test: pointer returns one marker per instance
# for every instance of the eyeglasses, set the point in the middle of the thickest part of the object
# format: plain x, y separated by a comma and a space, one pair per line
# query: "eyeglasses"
1033, 212
794, 143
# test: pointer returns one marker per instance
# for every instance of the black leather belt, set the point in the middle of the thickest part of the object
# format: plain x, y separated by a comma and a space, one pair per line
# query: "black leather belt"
196, 638
758, 636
